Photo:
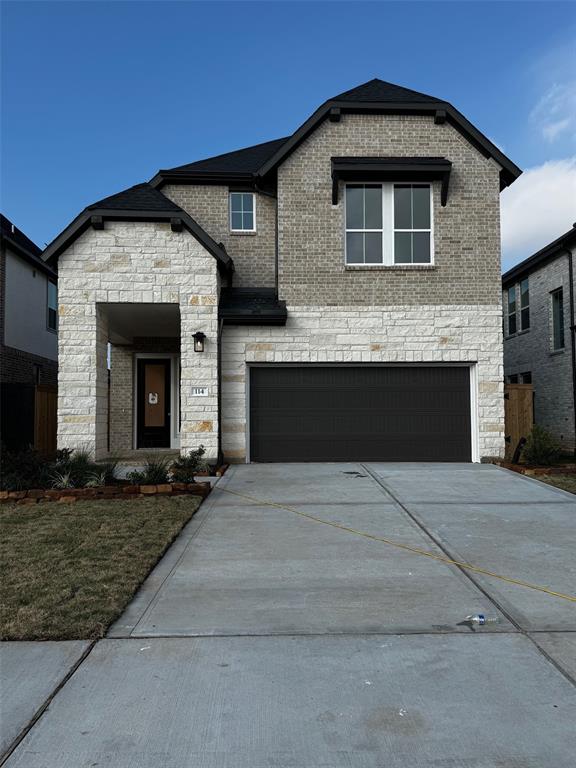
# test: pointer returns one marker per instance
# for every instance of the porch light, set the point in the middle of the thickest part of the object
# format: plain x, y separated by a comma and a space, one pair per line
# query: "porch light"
199, 341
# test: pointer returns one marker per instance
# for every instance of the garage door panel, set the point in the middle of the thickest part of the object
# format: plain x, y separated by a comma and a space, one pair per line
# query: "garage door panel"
342, 413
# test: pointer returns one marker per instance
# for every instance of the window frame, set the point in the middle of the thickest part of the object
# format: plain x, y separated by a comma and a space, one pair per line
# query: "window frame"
388, 229
557, 292
242, 192
509, 333
48, 307
521, 308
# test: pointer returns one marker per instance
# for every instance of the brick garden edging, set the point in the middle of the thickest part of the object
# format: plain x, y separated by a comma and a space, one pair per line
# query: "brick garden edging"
70, 495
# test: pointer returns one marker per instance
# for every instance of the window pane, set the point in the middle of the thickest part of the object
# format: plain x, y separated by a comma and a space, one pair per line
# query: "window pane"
236, 220
402, 207
402, 247
373, 207
248, 202
511, 324
512, 299
354, 207
421, 207
524, 293
513, 379
235, 201
558, 319
421, 248
52, 319
525, 319
52, 295
373, 248
354, 248
526, 377
248, 220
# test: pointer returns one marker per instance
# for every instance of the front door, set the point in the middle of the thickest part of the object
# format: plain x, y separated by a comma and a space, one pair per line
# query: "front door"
153, 398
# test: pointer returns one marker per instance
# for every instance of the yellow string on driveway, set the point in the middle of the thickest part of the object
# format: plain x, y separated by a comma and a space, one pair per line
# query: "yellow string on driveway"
406, 547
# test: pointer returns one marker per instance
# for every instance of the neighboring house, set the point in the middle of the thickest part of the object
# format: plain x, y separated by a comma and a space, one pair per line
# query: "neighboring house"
28, 333
343, 284
539, 345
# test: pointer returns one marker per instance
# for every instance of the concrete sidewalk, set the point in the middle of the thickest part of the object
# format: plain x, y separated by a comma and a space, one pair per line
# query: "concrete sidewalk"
264, 639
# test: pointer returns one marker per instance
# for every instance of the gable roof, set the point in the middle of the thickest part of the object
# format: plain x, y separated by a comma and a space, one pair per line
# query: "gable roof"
138, 203
380, 97
539, 258
18, 242
377, 90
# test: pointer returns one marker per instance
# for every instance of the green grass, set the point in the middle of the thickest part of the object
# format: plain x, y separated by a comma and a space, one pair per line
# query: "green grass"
68, 570
566, 482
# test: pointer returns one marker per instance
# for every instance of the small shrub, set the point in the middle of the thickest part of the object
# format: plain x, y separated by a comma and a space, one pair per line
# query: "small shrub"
541, 448
62, 480
77, 464
186, 467
96, 480
108, 469
155, 472
24, 469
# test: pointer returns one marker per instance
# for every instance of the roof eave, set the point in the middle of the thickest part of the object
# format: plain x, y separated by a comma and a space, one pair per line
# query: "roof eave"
509, 170
540, 257
84, 220
223, 178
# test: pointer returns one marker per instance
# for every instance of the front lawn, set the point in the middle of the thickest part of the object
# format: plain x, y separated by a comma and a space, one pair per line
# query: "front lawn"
68, 570
566, 482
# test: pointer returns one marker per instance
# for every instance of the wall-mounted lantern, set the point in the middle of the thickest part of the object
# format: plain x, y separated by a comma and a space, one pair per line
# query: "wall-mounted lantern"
199, 341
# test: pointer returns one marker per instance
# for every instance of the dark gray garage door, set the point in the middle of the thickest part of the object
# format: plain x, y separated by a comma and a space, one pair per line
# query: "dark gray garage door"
353, 413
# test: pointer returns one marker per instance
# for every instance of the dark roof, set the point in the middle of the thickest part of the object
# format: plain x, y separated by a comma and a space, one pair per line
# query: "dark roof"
139, 203
378, 96
379, 91
246, 160
538, 259
23, 246
252, 306
141, 197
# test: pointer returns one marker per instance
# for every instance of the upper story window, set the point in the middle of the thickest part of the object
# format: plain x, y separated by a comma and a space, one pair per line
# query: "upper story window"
557, 298
511, 310
524, 305
242, 212
52, 313
388, 224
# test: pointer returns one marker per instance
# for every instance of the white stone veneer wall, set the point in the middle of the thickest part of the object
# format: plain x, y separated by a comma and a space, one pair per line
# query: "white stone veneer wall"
133, 262
437, 334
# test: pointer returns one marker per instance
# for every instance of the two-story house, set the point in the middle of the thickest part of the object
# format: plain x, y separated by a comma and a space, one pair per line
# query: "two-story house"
331, 295
539, 343
28, 333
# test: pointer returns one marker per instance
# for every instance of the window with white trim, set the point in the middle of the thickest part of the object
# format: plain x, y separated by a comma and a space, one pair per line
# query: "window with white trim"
52, 309
242, 212
388, 224
557, 298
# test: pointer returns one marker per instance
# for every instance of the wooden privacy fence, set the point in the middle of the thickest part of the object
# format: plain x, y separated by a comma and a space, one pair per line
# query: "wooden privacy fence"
46, 405
518, 414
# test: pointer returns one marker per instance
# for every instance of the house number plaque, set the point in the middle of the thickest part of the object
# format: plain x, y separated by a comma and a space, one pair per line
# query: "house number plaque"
199, 391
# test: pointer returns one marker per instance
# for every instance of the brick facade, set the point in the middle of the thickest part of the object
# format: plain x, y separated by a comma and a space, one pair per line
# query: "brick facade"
253, 252
531, 351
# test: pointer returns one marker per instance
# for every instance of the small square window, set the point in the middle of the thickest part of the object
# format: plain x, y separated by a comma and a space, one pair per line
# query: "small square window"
242, 212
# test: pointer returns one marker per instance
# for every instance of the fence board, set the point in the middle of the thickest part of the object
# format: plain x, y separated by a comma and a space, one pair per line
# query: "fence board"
519, 414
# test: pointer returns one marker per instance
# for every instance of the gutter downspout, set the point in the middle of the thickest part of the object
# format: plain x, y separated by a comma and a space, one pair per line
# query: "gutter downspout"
220, 454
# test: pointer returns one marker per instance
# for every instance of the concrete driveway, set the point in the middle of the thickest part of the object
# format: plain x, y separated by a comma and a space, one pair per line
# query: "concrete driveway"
265, 638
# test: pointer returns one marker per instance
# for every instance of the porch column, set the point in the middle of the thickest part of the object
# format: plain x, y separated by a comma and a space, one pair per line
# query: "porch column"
82, 378
199, 413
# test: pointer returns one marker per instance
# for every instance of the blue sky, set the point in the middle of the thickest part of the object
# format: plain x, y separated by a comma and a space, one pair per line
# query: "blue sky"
96, 96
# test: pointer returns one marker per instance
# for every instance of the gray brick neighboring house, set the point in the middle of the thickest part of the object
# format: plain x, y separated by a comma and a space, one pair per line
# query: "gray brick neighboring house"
332, 295
28, 333
538, 302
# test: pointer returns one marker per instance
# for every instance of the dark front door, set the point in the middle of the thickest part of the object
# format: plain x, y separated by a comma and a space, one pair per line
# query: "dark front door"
153, 411
360, 413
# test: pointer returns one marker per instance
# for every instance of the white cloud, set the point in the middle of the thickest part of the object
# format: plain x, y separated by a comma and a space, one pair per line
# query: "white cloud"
539, 207
555, 113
